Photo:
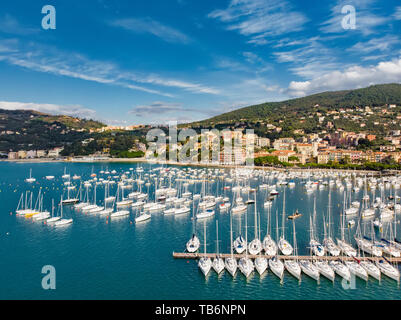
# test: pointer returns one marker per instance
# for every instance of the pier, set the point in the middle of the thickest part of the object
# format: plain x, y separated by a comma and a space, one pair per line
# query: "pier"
194, 256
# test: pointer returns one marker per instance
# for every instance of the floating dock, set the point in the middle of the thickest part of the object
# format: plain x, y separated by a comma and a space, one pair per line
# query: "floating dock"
193, 256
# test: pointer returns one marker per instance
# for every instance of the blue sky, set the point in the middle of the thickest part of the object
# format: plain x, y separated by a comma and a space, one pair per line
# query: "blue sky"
130, 62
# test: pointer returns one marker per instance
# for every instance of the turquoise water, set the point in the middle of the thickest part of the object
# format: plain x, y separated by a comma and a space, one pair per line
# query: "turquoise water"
96, 258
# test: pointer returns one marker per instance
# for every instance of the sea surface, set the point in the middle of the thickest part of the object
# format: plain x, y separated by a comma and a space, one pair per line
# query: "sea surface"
99, 258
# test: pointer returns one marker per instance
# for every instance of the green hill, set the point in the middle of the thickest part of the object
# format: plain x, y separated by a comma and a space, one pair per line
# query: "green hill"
378, 95
27, 130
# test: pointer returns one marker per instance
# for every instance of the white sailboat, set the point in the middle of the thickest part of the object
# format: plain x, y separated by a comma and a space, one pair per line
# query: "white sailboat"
328, 241
240, 244
143, 217
261, 263
30, 179
269, 245
218, 262
284, 246
205, 264
62, 222
231, 263
292, 265
275, 264
255, 246
53, 217
245, 264
193, 243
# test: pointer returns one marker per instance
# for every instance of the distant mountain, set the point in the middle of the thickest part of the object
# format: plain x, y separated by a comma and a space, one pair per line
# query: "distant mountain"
378, 95
27, 129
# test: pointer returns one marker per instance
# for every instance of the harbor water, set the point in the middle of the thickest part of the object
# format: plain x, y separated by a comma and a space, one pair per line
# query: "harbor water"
101, 258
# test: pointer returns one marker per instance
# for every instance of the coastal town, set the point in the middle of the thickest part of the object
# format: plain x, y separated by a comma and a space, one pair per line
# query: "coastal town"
337, 147
317, 136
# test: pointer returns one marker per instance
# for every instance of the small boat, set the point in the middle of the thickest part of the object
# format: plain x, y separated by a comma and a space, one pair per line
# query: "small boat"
205, 214
296, 215
62, 222
143, 217
30, 179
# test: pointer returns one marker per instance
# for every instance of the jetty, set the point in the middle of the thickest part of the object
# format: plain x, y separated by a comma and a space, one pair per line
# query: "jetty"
194, 256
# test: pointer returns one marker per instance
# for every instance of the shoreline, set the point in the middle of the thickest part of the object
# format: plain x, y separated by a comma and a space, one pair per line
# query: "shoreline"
212, 165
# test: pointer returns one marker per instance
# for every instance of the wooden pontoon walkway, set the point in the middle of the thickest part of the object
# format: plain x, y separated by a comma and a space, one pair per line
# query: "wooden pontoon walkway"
186, 255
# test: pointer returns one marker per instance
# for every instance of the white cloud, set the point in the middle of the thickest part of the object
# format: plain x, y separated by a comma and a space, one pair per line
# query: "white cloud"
352, 77
54, 109
260, 19
148, 25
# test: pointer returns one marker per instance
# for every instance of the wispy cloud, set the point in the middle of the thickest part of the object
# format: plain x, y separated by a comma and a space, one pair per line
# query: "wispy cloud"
54, 109
397, 14
382, 44
309, 59
73, 65
259, 19
153, 27
10, 25
352, 77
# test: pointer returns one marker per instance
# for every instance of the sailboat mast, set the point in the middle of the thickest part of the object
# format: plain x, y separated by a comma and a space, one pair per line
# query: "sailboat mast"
231, 234
204, 236
256, 219
217, 237
283, 218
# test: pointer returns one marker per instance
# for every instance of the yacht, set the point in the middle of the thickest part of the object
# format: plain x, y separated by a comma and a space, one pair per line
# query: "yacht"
292, 265
231, 263
387, 269
310, 269
325, 269
218, 262
143, 217
205, 264
341, 269
62, 222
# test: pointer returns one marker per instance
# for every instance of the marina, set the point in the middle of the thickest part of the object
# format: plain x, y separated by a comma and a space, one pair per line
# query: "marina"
135, 218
